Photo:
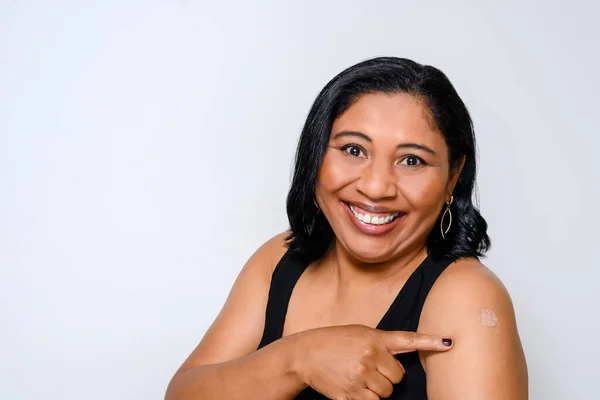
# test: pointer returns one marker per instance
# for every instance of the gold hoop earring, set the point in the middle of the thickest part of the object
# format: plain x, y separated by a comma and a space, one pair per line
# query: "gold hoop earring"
316, 205
449, 212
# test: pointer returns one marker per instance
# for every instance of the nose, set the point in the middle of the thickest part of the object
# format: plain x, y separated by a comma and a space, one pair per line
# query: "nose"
377, 182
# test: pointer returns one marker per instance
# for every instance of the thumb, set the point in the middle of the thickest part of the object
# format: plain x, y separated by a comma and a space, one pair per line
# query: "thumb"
404, 342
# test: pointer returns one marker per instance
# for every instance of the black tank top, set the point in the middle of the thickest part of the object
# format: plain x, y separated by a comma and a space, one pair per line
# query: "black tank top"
402, 315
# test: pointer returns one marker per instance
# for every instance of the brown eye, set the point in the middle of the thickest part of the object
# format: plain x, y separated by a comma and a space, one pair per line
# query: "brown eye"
412, 161
353, 151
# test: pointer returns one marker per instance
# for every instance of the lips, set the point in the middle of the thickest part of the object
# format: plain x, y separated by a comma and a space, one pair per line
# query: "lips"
372, 218
371, 222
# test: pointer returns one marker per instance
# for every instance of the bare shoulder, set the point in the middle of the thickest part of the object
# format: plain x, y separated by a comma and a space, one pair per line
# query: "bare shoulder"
466, 284
470, 305
243, 311
466, 298
274, 249
264, 260
255, 277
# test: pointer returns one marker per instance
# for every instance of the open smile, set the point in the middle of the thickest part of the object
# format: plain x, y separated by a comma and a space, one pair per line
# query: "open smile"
373, 221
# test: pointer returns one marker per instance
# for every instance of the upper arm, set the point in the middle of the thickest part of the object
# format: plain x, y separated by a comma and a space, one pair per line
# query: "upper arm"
487, 360
238, 328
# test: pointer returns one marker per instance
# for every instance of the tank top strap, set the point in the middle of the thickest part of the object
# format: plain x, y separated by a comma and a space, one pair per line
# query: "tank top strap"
405, 311
285, 275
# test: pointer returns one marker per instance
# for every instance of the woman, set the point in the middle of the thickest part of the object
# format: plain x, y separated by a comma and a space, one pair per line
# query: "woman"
377, 285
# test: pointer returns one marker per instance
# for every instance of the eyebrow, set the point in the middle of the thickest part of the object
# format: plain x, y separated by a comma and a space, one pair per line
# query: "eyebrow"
361, 135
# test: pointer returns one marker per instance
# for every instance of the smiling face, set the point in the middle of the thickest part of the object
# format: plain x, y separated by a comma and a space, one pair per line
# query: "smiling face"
385, 177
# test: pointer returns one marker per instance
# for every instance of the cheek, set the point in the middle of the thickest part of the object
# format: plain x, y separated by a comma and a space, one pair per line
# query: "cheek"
335, 173
423, 191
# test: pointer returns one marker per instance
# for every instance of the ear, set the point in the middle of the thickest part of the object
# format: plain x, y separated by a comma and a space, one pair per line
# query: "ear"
455, 174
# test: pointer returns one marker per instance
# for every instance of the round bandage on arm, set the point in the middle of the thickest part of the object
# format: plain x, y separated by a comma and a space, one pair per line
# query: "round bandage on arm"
488, 317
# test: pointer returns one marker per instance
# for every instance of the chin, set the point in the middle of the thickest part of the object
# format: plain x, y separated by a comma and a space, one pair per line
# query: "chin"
369, 251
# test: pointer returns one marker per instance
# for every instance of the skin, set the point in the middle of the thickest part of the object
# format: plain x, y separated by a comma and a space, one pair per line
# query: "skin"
376, 156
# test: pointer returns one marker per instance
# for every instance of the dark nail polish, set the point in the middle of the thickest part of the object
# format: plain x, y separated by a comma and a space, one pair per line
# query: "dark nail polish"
447, 342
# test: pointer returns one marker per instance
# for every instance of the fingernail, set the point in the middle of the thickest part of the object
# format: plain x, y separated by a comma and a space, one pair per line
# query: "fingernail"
447, 342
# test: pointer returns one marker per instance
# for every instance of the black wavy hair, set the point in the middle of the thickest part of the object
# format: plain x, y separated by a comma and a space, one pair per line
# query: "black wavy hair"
310, 232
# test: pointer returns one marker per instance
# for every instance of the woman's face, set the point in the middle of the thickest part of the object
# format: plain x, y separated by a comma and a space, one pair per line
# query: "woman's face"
385, 177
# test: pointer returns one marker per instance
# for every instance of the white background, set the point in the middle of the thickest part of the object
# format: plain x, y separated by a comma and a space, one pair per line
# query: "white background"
146, 150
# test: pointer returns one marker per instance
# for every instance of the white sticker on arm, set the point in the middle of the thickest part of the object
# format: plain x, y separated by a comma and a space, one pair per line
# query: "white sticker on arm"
488, 317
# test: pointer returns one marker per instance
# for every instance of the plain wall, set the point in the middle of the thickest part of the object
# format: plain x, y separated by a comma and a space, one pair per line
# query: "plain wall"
146, 151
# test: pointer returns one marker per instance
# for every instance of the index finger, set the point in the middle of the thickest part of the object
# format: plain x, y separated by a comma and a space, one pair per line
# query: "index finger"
405, 342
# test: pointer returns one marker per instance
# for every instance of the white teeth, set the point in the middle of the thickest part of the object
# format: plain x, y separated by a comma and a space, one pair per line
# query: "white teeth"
368, 219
